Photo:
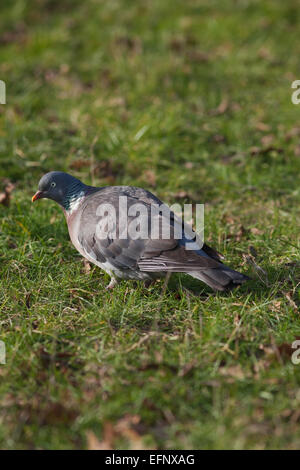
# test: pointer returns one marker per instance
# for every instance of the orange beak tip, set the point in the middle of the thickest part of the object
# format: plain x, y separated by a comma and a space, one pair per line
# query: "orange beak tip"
36, 196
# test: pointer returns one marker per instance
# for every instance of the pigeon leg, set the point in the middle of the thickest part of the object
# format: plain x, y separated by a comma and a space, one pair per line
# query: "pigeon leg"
112, 284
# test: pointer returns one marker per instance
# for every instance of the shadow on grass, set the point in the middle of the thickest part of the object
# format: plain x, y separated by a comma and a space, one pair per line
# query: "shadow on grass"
272, 281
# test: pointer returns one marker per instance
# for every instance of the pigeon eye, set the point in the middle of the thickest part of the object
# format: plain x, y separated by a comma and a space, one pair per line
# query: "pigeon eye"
53, 184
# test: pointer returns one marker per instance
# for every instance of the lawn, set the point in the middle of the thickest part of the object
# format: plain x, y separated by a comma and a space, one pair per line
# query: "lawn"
191, 100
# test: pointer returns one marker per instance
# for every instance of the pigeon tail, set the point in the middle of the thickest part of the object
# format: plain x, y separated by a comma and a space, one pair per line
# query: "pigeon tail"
222, 278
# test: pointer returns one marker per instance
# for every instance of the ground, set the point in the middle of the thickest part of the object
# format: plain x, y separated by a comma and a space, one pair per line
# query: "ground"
191, 100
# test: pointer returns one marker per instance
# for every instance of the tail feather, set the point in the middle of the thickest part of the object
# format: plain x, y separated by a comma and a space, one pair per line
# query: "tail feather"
204, 264
222, 278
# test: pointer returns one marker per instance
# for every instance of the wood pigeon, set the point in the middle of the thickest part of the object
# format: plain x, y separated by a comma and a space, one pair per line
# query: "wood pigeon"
96, 233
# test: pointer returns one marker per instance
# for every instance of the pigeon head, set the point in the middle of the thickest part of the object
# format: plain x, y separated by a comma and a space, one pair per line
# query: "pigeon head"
61, 188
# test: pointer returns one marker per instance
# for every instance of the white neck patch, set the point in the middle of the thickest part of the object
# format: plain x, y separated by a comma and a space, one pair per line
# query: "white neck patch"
75, 203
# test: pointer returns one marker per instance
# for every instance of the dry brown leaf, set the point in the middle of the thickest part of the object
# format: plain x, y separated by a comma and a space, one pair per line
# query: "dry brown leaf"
184, 195
108, 170
4, 199
294, 132
218, 138
264, 150
57, 413
241, 232
267, 140
16, 35
280, 352
125, 428
260, 366
233, 371
291, 302
6, 194
261, 126
187, 46
197, 56
265, 53
222, 108
275, 306
131, 44
150, 177
108, 440
79, 163
256, 231
86, 266
234, 234
117, 101
181, 195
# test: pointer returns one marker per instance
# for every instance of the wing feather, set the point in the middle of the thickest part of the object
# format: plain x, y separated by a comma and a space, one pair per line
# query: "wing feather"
149, 254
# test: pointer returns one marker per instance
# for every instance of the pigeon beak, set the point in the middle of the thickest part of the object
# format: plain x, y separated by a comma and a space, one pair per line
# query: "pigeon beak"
38, 195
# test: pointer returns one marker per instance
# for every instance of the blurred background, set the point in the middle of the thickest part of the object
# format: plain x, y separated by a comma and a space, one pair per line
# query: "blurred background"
151, 88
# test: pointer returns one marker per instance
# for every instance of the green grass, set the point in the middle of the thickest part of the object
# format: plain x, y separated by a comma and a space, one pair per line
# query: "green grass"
191, 100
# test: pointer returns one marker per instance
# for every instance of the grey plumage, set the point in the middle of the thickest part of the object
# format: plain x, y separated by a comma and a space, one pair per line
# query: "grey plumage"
129, 258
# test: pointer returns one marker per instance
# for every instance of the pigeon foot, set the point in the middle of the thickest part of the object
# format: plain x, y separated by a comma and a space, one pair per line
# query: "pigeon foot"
112, 284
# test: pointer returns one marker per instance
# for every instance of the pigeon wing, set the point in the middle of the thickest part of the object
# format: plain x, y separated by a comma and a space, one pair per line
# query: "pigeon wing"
149, 253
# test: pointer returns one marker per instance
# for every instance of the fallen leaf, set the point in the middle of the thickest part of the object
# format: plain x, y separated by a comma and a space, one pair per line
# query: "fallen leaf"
108, 439
264, 150
16, 35
233, 371
79, 163
265, 53
57, 413
294, 132
261, 126
218, 138
117, 101
236, 234
132, 44
291, 302
282, 352
256, 231
222, 108
125, 428
108, 170
6, 194
150, 177
86, 266
267, 140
